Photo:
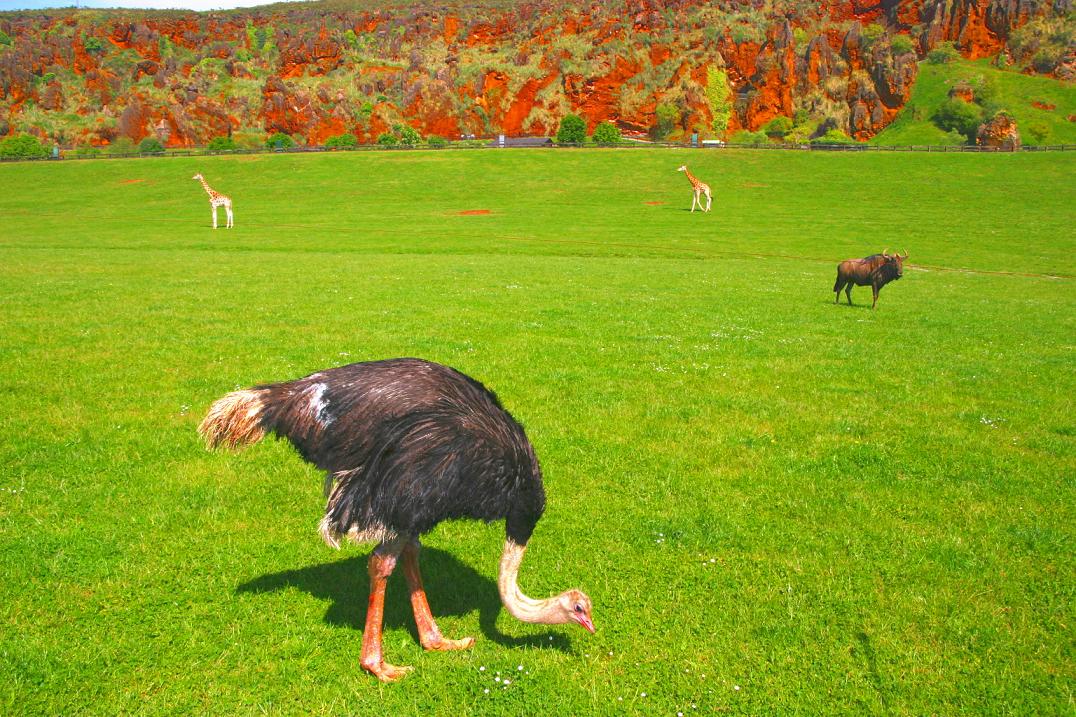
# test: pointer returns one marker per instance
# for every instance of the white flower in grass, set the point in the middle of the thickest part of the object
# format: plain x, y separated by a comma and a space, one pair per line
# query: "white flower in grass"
507, 682
482, 668
520, 668
486, 690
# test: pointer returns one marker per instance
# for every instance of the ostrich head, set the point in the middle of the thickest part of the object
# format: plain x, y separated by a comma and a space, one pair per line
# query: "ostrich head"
682, 168
572, 606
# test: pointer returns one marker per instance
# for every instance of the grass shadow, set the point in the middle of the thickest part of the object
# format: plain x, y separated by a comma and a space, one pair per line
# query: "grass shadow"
452, 588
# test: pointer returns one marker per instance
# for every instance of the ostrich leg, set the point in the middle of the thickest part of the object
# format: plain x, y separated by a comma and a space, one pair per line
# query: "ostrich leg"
382, 563
428, 634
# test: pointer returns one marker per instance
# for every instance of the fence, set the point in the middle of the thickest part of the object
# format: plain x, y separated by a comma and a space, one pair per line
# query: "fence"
492, 144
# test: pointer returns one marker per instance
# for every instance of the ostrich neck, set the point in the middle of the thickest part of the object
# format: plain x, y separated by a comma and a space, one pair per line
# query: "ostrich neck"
519, 605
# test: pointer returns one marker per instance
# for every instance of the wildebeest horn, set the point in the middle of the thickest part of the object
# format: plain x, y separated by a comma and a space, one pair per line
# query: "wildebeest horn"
905, 253
885, 252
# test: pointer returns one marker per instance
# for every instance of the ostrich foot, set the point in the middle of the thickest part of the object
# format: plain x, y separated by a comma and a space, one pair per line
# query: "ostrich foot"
386, 672
444, 644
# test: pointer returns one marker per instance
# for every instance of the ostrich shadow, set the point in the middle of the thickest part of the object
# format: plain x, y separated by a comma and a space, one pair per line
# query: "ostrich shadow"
452, 588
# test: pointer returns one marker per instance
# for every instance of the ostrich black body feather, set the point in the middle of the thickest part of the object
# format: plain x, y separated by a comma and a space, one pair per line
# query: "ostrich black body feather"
406, 444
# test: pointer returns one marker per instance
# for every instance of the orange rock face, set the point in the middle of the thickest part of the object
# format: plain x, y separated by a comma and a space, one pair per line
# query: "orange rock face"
320, 71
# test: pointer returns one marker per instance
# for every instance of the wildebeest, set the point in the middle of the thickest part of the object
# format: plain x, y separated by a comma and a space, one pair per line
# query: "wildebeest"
877, 270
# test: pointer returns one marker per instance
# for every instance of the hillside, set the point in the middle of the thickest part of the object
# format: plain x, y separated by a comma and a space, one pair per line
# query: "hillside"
1044, 109
315, 70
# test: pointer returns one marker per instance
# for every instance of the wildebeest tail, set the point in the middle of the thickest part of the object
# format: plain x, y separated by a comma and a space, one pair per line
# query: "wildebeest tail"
235, 420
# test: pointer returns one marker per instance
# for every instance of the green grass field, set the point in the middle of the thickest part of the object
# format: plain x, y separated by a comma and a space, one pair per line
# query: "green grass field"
778, 505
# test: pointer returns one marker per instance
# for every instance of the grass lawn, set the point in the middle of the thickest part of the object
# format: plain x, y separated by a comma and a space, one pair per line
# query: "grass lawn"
1041, 106
778, 505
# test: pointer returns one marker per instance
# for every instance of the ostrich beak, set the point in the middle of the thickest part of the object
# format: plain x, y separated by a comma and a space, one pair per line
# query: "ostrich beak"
584, 620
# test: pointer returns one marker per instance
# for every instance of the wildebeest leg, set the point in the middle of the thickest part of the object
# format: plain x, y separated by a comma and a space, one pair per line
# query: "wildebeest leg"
876, 290
848, 292
428, 633
382, 563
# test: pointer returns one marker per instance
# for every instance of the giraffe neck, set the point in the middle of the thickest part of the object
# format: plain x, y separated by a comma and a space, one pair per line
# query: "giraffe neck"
691, 177
205, 186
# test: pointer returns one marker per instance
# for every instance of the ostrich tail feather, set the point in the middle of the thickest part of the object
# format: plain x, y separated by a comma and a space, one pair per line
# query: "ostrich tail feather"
234, 420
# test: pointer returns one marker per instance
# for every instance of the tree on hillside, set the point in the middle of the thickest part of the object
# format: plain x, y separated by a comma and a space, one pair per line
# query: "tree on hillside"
606, 133
573, 130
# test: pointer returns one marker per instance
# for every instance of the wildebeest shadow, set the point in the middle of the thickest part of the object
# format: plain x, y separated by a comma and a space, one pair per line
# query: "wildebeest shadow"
452, 588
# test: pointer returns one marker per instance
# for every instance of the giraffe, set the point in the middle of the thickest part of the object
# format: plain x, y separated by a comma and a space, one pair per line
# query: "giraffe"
698, 187
216, 199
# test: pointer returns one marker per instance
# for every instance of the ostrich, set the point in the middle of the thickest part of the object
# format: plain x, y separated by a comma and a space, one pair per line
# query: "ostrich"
405, 443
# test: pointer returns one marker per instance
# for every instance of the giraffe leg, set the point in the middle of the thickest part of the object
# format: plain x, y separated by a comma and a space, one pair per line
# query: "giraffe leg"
382, 563
231, 218
694, 199
709, 200
213, 209
428, 633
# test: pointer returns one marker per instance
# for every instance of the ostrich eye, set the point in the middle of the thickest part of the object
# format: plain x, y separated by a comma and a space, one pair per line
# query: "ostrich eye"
578, 607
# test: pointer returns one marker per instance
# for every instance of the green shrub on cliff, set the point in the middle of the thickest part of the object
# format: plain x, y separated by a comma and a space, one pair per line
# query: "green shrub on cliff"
943, 53
718, 95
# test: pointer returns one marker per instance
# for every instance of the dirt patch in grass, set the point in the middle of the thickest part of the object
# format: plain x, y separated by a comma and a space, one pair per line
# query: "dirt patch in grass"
653, 204
473, 212
131, 181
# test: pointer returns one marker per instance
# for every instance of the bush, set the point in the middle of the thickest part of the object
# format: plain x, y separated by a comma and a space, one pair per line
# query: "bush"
151, 145
22, 146
943, 53
744, 136
409, 136
279, 140
388, 139
778, 127
901, 45
122, 145
959, 116
1047, 59
92, 44
5, 39
342, 140
834, 136
573, 130
436, 142
666, 118
606, 133
221, 144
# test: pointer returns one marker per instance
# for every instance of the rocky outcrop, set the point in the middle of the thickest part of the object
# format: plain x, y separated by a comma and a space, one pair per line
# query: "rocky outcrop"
316, 70
999, 133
